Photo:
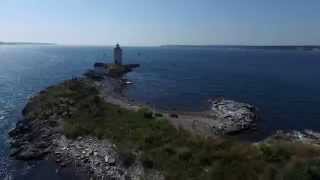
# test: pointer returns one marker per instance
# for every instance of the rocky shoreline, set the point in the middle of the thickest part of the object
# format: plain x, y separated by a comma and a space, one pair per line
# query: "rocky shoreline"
40, 134
305, 137
43, 138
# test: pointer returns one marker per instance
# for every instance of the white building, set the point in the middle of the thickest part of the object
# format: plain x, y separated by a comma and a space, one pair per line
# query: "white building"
117, 55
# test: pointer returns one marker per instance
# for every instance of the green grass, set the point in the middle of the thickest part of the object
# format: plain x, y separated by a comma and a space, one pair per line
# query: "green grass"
175, 152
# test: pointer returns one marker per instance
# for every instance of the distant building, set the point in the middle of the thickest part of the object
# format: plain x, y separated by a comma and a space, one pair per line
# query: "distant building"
117, 55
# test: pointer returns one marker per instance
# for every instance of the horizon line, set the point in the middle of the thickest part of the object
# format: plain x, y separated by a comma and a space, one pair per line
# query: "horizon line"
161, 45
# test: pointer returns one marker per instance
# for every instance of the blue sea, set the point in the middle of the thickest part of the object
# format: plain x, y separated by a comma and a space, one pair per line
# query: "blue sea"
283, 84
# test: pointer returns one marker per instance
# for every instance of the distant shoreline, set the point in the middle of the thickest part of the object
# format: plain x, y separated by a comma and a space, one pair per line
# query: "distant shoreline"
26, 43
280, 47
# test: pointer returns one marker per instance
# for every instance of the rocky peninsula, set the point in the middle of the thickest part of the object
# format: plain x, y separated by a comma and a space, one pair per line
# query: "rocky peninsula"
86, 124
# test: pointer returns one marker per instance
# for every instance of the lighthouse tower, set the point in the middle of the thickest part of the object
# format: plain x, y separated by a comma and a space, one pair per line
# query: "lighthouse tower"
117, 55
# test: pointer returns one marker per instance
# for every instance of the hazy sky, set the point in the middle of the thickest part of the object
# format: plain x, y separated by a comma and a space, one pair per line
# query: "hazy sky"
156, 22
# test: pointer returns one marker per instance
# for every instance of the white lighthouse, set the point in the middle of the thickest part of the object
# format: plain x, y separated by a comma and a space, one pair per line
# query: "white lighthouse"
117, 55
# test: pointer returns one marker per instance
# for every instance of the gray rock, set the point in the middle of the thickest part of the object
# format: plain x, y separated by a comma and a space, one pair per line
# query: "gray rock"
106, 158
30, 153
16, 143
42, 144
15, 151
109, 159
233, 116
22, 127
89, 152
112, 161
305, 137
13, 132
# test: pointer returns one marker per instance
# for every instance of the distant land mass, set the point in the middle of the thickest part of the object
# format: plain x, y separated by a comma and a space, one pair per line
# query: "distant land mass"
25, 43
279, 47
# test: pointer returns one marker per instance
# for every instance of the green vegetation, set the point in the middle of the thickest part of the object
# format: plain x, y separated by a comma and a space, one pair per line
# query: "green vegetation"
116, 70
175, 152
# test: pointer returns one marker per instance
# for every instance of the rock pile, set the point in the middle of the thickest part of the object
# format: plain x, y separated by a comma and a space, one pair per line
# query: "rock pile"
231, 116
305, 136
98, 157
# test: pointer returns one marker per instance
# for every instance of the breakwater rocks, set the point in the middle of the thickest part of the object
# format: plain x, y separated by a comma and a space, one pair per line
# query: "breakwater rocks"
232, 116
225, 117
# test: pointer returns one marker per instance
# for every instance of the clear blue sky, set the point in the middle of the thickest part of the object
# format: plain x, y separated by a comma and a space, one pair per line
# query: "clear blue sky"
157, 22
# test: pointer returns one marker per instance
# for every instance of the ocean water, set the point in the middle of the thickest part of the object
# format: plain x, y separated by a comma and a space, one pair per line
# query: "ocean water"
283, 84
